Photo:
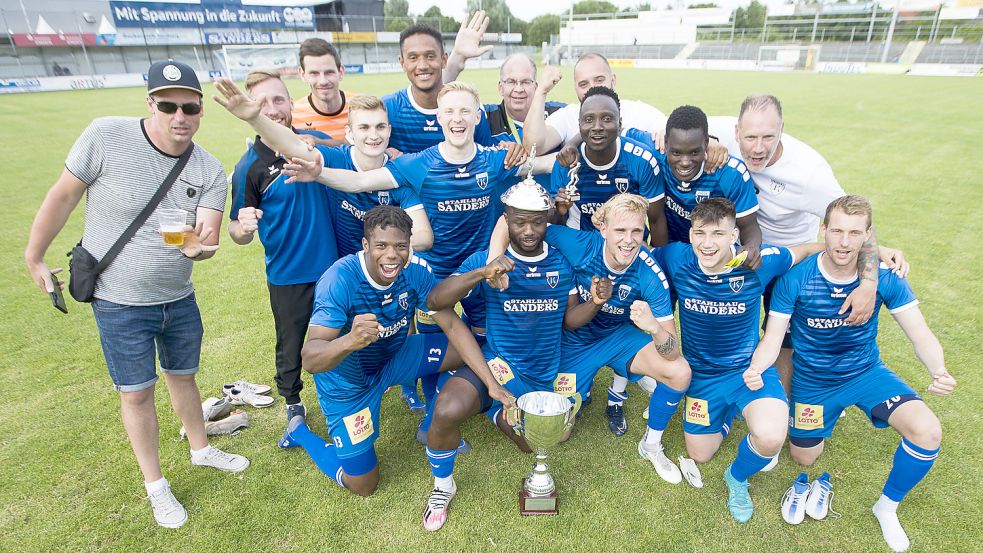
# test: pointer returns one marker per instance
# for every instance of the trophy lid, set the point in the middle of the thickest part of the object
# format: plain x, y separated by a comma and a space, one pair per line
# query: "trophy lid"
528, 195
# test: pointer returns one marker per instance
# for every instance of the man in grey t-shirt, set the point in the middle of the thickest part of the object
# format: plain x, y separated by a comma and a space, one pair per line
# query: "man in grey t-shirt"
144, 301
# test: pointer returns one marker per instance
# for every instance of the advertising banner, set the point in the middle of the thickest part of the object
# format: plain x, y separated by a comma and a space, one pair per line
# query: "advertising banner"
221, 15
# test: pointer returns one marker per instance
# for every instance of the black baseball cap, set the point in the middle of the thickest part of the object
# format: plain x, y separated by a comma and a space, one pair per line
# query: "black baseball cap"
171, 74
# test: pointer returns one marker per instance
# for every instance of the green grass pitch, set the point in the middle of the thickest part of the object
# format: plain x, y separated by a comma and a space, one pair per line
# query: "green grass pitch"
68, 480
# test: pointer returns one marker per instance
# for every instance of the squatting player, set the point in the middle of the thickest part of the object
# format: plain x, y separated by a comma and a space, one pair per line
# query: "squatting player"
358, 346
524, 325
838, 365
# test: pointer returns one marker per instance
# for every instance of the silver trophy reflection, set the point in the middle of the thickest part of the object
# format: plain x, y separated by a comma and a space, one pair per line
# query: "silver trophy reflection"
544, 418
572, 179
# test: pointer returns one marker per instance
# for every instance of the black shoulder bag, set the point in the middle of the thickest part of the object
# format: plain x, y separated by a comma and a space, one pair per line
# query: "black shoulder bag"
84, 268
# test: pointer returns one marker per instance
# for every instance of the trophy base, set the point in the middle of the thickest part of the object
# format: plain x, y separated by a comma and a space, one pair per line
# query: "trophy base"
533, 505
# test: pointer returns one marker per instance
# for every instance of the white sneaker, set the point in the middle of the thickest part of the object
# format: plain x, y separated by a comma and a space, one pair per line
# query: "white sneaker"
168, 511
214, 408
239, 397
690, 471
250, 387
216, 458
230, 425
794, 502
663, 466
820, 497
435, 512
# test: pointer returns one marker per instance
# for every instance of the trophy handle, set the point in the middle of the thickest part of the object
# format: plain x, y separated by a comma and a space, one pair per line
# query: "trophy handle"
572, 415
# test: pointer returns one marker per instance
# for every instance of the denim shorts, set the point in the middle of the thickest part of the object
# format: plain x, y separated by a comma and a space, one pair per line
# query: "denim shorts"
129, 333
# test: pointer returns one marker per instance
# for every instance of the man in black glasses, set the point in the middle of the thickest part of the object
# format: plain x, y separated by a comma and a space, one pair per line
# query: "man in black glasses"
144, 301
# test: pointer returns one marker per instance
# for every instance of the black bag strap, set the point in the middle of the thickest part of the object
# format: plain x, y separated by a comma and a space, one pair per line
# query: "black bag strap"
145, 214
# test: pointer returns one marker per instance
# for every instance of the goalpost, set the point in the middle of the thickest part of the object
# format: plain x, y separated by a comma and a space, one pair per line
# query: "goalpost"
240, 60
788, 57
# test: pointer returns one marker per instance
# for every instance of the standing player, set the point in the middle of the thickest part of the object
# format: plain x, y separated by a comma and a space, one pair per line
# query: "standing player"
838, 365
325, 109
525, 322
794, 184
359, 346
294, 226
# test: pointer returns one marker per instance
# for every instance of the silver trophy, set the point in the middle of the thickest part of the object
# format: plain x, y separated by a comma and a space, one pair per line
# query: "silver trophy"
530, 161
572, 179
544, 417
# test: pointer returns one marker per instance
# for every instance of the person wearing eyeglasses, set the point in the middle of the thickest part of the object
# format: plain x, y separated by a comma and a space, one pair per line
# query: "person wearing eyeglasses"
144, 301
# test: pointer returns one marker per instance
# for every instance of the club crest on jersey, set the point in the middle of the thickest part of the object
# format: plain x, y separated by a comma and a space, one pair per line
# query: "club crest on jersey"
702, 195
623, 291
482, 180
736, 283
404, 301
552, 278
621, 184
384, 198
777, 187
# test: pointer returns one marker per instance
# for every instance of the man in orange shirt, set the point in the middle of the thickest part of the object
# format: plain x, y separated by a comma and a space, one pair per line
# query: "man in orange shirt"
325, 109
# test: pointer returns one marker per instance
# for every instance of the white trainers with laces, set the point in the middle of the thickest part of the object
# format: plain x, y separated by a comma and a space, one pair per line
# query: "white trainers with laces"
435, 512
663, 466
216, 458
252, 388
168, 511
690, 471
794, 502
240, 397
820, 497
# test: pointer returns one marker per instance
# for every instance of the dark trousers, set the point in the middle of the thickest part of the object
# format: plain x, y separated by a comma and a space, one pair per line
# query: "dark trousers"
292, 305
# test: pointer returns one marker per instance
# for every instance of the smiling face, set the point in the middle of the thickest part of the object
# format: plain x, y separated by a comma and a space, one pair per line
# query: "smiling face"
600, 122
387, 249
368, 131
759, 134
686, 150
277, 104
177, 128
712, 241
323, 75
845, 236
589, 72
423, 60
517, 86
458, 115
527, 229
623, 236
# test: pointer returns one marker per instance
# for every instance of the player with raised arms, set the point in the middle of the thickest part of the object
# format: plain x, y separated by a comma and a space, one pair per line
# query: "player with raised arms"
838, 365
524, 327
359, 345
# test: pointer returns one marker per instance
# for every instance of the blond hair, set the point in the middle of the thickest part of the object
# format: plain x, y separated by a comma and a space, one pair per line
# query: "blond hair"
365, 102
459, 86
618, 205
851, 204
257, 76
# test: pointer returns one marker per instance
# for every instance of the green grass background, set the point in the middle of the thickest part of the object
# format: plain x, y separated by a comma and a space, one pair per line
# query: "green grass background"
68, 479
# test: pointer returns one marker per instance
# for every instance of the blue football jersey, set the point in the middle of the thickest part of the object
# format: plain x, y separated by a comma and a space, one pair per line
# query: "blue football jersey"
732, 181
642, 280
719, 314
346, 290
415, 129
826, 350
461, 199
348, 210
635, 170
524, 322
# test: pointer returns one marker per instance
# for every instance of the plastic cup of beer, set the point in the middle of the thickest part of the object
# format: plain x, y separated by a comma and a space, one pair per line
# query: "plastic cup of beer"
172, 223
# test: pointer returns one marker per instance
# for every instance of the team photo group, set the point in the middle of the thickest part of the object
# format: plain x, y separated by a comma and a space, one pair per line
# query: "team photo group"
495, 259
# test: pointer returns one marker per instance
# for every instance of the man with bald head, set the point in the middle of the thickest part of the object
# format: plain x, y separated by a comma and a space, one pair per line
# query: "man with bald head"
517, 85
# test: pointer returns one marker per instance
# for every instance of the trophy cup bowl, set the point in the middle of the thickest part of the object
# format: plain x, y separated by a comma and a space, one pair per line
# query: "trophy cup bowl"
544, 417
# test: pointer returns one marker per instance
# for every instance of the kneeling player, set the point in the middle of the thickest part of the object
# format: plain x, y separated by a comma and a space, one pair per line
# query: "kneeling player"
358, 346
839, 365
524, 326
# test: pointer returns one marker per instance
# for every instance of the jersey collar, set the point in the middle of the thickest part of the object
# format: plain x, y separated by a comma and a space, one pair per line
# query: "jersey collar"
417, 107
351, 155
448, 159
827, 276
540, 257
368, 277
617, 154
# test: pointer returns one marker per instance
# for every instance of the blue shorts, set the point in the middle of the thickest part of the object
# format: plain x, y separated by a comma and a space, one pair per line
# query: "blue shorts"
816, 408
579, 363
711, 400
353, 417
512, 381
129, 333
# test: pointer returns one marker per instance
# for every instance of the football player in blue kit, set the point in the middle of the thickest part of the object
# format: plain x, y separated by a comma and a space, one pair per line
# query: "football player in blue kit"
524, 327
837, 365
359, 345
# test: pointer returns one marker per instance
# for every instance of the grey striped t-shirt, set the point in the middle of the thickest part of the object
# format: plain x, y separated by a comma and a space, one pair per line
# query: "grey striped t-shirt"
123, 170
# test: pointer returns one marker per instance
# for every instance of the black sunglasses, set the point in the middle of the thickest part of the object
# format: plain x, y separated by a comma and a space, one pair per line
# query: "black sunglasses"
191, 108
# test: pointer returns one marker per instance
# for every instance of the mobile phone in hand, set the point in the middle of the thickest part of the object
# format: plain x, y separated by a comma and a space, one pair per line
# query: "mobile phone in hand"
57, 298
